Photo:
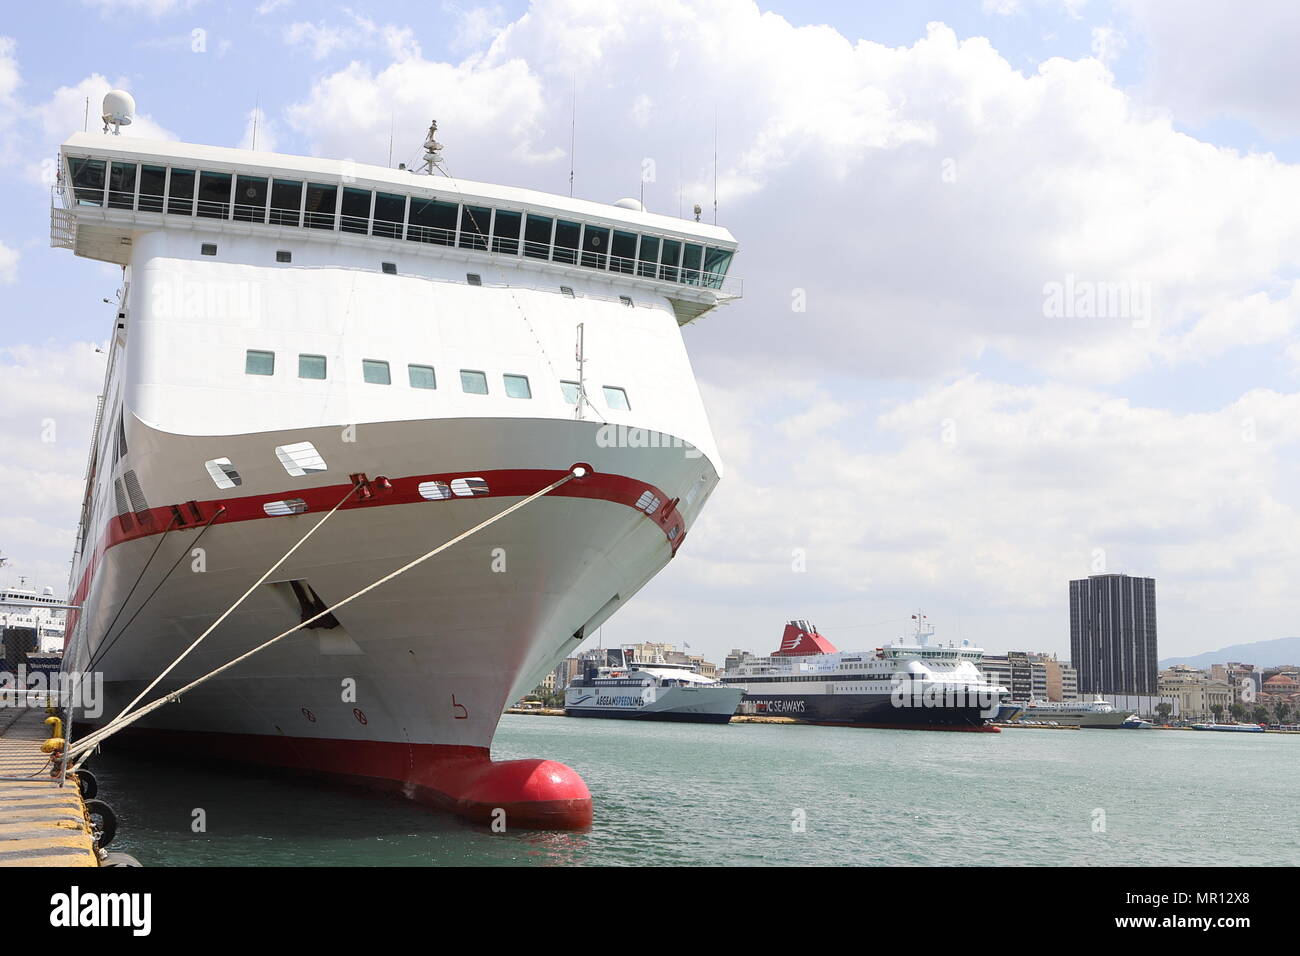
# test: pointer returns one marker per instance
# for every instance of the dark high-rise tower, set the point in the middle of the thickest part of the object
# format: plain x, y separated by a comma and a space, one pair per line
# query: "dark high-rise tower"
1113, 634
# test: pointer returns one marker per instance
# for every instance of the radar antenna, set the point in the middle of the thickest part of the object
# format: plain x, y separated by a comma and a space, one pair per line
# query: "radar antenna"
432, 151
118, 110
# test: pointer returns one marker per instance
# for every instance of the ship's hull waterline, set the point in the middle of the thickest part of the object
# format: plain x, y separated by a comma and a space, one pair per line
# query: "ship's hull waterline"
406, 692
878, 711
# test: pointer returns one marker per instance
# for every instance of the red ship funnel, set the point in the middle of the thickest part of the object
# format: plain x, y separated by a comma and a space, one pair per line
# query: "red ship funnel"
801, 639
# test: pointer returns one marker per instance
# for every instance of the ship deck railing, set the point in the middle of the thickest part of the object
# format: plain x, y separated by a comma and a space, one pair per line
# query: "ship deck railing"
123, 207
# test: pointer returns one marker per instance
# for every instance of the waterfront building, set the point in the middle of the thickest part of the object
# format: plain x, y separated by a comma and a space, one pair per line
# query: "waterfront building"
1030, 675
1198, 693
736, 657
1282, 685
1113, 634
1246, 679
1062, 680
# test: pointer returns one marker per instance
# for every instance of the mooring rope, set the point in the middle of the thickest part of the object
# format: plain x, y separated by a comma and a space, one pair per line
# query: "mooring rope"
242, 598
125, 720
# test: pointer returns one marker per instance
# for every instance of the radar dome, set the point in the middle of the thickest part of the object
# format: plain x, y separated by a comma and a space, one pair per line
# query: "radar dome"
119, 109
630, 204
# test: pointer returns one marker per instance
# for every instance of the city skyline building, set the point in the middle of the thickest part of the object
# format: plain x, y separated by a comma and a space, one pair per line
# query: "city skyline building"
1113, 644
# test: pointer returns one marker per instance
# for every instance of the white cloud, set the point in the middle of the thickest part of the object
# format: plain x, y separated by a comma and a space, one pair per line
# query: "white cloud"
72, 108
8, 264
1207, 60
47, 407
323, 40
319, 39
1108, 43
476, 26
154, 8
351, 112
921, 196
260, 132
985, 499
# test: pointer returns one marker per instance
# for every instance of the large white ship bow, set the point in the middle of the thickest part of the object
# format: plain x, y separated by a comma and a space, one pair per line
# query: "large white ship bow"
291, 331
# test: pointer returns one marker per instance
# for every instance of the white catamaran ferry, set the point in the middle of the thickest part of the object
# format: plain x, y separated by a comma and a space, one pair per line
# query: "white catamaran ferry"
1097, 713
651, 691
405, 356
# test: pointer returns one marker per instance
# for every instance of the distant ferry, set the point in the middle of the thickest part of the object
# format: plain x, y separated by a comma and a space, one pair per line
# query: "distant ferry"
1096, 713
912, 684
43, 613
1231, 728
651, 691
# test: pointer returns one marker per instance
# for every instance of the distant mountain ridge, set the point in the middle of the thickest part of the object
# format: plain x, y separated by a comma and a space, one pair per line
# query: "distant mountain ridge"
1283, 650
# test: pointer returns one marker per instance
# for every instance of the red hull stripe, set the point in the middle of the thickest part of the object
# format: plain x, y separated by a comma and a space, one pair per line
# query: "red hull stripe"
532, 794
504, 483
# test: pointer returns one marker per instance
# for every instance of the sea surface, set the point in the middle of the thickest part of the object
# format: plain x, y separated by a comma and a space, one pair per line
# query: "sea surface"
762, 794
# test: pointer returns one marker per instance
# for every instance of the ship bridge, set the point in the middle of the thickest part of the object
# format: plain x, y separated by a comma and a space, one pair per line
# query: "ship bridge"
111, 189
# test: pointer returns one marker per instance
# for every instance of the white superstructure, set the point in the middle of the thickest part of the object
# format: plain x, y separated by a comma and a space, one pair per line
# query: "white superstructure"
293, 332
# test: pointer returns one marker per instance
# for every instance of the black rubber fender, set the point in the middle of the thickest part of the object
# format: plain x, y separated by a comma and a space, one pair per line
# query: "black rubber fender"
103, 822
88, 784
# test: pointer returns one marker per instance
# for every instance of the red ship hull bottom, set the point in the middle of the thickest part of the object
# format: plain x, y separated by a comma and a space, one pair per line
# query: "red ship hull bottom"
528, 794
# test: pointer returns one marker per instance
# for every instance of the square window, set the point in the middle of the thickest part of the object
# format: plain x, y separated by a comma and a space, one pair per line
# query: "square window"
473, 278
283, 255
223, 474
473, 382
208, 249
376, 372
300, 458
259, 363
566, 290
626, 300
390, 268
517, 386
570, 390
421, 376
616, 398
311, 366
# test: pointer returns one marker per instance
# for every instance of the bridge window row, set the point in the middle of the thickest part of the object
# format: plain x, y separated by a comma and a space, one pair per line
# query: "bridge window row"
352, 209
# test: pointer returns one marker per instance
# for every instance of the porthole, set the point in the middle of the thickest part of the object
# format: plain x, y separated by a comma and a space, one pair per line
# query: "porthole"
469, 487
434, 490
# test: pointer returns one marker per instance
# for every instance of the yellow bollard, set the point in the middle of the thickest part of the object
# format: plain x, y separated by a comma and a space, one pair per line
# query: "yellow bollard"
57, 724
53, 745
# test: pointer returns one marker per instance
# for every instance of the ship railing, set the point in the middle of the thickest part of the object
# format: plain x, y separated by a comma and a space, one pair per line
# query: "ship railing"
100, 201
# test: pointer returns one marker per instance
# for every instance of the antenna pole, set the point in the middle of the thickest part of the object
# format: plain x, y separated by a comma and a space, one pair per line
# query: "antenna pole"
582, 381
573, 131
85, 123
715, 165
257, 108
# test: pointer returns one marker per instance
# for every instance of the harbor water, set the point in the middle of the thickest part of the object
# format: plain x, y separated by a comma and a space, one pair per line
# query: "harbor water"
760, 794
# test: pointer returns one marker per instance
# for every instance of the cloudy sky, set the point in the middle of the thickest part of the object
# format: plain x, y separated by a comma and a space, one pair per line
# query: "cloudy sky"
1021, 287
